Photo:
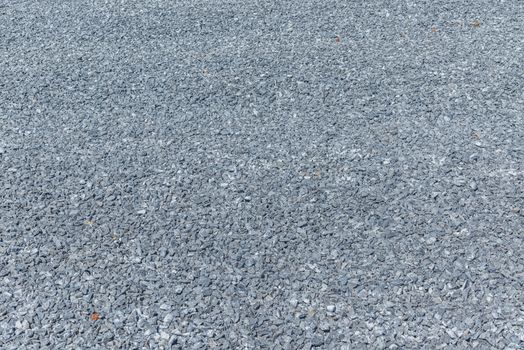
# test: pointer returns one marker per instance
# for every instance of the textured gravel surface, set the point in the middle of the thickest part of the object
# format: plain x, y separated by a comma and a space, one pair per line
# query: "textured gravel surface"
261, 174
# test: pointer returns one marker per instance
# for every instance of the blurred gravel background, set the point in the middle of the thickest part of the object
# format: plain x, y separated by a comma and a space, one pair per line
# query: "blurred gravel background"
261, 174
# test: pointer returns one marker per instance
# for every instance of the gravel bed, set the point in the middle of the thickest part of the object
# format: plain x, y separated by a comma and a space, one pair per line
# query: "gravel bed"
261, 174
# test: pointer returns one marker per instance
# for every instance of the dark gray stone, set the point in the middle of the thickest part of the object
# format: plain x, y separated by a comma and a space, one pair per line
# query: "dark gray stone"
223, 174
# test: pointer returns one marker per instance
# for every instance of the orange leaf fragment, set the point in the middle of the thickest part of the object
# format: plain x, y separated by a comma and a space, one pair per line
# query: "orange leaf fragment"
95, 316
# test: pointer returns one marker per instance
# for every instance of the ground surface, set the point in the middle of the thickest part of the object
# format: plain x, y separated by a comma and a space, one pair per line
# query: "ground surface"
256, 174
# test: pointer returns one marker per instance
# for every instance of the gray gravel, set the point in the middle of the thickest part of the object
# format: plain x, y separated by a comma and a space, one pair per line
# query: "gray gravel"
261, 174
